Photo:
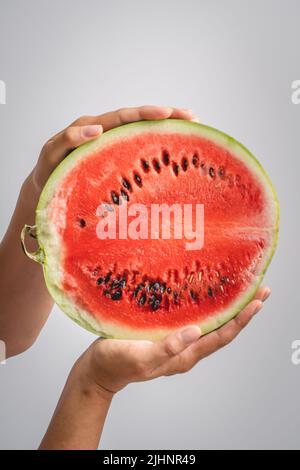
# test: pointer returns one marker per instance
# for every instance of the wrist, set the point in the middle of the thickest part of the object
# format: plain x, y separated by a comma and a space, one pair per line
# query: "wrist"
88, 386
30, 191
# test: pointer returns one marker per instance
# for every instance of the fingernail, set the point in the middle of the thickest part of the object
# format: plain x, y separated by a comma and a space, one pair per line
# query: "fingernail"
258, 308
266, 294
190, 334
91, 131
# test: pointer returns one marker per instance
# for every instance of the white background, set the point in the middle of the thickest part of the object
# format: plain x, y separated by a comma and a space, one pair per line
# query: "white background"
233, 62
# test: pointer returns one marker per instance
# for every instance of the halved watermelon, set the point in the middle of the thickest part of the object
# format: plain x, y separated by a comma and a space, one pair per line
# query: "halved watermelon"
146, 288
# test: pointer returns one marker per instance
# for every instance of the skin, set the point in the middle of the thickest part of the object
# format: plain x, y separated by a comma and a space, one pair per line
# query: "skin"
108, 365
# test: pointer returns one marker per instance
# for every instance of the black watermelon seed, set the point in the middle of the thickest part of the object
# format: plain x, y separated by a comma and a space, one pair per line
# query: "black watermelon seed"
145, 165
107, 278
169, 290
124, 195
224, 279
106, 293
155, 305
126, 184
82, 223
100, 281
151, 299
211, 172
116, 295
221, 172
115, 197
175, 295
155, 286
184, 164
156, 165
135, 292
193, 295
119, 283
210, 292
195, 160
115, 283
138, 179
166, 158
142, 299
175, 167
154, 301
141, 286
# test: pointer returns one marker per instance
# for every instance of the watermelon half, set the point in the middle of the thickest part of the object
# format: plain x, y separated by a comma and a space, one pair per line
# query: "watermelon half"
144, 288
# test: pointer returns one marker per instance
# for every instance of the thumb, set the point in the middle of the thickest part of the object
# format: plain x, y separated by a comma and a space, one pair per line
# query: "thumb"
58, 147
72, 137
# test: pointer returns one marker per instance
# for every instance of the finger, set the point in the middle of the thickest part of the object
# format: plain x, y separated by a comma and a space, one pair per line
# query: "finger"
179, 113
63, 143
263, 293
174, 344
210, 343
224, 335
127, 115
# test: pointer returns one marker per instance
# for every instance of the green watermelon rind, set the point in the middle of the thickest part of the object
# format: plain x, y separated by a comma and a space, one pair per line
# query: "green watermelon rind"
51, 255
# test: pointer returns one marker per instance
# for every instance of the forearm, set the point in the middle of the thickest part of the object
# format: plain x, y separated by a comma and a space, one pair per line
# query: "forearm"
24, 300
79, 418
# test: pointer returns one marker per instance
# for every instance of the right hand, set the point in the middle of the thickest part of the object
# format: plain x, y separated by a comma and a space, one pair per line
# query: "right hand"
109, 365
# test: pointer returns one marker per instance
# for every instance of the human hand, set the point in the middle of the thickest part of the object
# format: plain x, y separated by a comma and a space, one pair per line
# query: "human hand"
90, 127
109, 365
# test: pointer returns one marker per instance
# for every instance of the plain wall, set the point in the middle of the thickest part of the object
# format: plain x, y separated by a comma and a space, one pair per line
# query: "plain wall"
233, 62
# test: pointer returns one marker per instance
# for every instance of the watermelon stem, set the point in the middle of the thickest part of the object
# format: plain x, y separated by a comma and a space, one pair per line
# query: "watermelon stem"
37, 255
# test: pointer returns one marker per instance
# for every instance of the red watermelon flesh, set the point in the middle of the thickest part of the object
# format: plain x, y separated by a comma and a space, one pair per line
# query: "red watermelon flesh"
145, 288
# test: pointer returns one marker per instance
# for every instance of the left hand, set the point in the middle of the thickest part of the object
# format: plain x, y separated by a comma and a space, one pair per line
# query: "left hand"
87, 128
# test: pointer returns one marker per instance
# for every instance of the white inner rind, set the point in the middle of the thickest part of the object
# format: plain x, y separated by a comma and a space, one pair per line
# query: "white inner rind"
52, 245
